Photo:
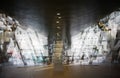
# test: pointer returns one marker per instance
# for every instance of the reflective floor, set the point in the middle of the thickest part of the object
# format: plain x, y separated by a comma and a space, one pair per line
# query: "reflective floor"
69, 71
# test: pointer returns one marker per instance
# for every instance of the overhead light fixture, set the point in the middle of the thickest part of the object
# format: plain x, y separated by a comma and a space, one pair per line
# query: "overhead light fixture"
58, 13
59, 17
57, 22
58, 27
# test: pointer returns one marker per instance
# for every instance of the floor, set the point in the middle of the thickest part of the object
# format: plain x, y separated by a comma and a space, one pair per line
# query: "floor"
68, 71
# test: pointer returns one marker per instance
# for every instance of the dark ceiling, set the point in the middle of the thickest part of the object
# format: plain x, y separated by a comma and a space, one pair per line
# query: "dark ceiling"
38, 14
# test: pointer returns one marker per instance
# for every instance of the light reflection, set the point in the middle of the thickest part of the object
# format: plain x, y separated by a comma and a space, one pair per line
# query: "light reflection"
90, 46
32, 45
21, 45
94, 44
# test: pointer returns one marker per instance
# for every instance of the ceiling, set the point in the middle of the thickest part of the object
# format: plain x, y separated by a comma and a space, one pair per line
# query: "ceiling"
38, 14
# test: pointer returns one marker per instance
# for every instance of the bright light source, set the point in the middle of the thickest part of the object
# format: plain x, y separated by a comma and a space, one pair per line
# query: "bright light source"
85, 42
57, 22
58, 13
58, 27
59, 17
